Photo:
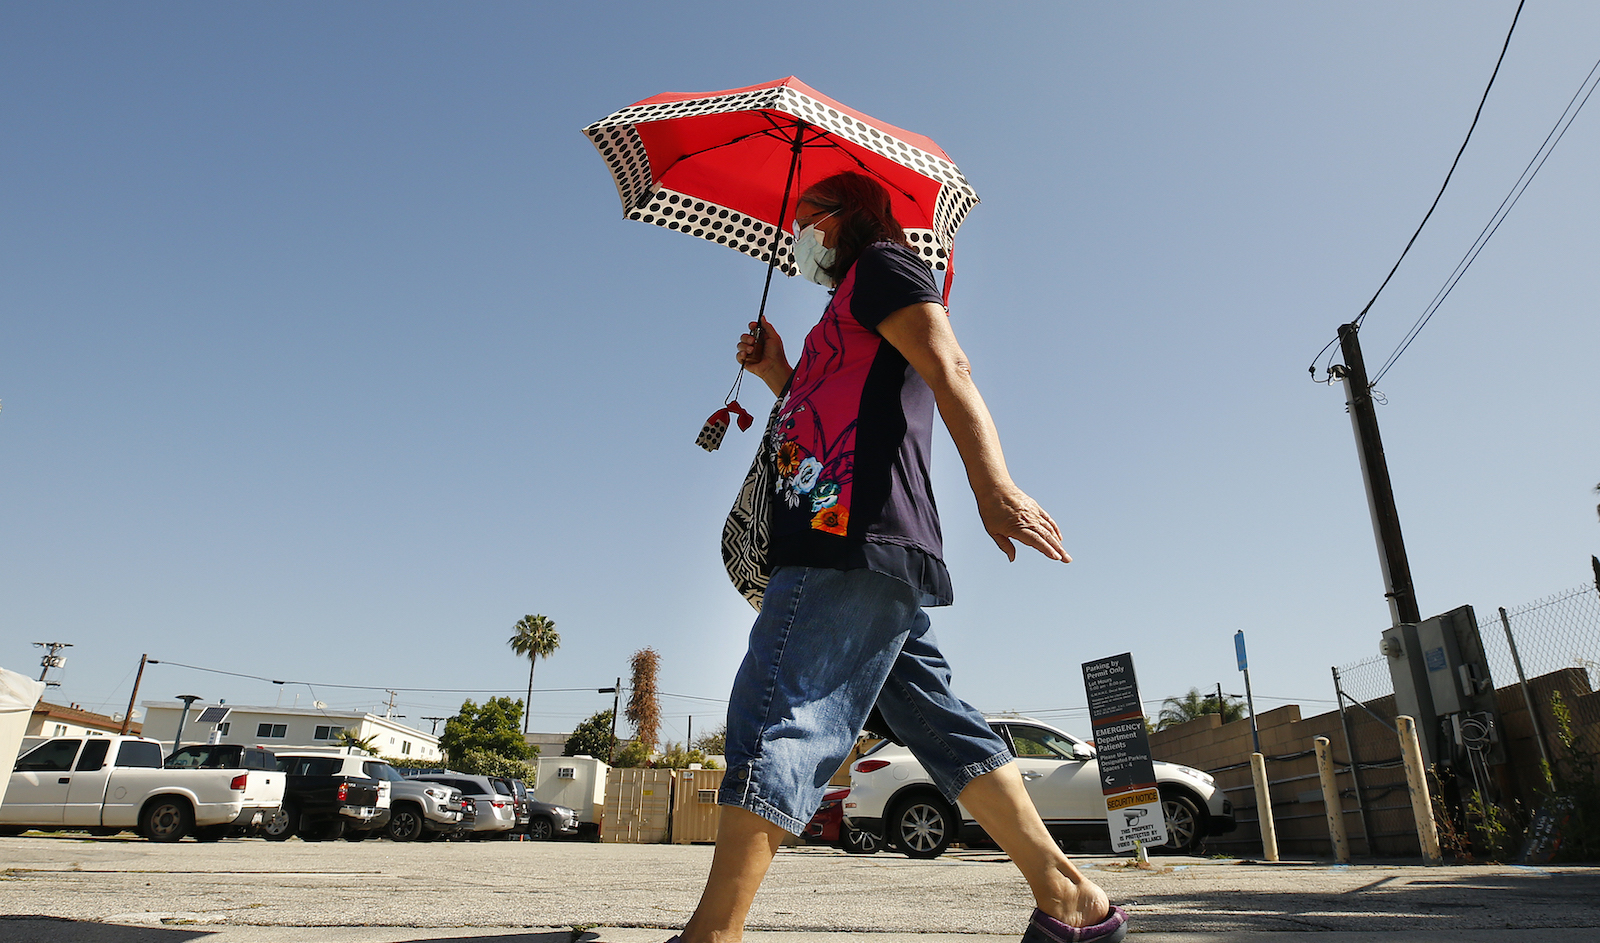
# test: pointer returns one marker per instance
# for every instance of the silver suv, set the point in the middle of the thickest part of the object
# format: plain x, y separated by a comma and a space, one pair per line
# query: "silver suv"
497, 812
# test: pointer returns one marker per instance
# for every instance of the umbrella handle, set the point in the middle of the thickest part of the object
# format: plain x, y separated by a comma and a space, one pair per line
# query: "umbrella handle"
758, 354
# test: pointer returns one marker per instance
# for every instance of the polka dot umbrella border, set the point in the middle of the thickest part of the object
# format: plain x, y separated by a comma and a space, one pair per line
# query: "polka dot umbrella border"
715, 165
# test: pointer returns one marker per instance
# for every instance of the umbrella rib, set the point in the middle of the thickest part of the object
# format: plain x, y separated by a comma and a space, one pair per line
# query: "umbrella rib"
704, 150
776, 131
864, 166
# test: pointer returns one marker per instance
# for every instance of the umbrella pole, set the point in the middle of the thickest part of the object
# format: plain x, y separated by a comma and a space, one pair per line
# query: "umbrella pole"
772, 252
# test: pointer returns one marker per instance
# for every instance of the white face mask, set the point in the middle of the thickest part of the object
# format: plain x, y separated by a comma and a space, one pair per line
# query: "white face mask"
810, 254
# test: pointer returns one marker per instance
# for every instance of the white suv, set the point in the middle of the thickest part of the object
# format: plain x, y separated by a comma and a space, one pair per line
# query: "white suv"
893, 798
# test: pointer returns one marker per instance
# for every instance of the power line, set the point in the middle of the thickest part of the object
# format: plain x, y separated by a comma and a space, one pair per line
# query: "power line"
1462, 150
1535, 164
380, 687
365, 687
1435, 205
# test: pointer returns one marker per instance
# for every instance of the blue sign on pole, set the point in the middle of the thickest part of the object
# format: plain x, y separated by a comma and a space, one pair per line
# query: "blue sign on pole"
1238, 649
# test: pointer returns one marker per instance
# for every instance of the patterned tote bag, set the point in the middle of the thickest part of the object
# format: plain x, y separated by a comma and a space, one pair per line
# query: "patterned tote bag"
746, 535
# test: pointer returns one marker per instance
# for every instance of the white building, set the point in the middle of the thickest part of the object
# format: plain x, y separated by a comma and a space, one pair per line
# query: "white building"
283, 728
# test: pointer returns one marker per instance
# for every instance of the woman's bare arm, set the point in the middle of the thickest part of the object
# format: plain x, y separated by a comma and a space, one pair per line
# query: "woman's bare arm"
922, 334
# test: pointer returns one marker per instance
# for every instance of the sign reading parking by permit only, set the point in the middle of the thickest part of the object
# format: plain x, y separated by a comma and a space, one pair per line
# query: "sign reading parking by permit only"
1127, 775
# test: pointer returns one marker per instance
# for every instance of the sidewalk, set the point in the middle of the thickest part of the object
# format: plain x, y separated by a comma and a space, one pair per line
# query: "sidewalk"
44, 931
101, 890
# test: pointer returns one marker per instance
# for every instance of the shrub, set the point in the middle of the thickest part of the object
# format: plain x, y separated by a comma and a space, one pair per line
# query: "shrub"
1575, 782
484, 763
633, 754
674, 756
412, 762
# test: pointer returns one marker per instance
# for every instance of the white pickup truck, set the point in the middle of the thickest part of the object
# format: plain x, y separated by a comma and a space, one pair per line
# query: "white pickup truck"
107, 784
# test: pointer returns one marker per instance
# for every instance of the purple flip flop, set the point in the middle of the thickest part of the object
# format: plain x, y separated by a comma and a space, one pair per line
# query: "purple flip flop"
1043, 928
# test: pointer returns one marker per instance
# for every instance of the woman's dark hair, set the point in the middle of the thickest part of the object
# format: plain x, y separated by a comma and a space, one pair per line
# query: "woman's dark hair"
864, 213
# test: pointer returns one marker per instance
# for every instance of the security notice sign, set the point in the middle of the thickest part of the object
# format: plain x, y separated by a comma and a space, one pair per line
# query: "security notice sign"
1127, 776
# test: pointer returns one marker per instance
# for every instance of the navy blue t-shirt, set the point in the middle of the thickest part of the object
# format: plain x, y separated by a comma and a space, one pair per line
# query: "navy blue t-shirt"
854, 437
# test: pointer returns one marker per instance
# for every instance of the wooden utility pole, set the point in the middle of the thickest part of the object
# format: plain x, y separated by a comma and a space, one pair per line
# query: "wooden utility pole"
128, 717
1375, 474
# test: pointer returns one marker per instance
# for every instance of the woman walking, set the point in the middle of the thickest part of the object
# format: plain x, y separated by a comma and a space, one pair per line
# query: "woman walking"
857, 554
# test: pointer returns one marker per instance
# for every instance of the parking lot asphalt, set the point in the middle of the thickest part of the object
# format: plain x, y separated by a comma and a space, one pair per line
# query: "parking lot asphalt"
71, 889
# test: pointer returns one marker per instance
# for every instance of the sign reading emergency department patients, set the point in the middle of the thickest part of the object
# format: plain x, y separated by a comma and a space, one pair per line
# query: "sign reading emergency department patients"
1127, 775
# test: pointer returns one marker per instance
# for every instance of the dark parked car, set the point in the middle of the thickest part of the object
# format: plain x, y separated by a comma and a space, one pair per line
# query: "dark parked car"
328, 795
547, 820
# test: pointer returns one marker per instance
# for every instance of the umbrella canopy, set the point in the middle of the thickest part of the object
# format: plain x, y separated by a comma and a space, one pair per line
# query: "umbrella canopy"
729, 166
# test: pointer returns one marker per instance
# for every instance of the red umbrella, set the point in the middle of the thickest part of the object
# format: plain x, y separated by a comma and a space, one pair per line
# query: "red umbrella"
724, 166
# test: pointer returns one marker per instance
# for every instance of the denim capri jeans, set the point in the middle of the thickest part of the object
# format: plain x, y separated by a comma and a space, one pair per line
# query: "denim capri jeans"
827, 645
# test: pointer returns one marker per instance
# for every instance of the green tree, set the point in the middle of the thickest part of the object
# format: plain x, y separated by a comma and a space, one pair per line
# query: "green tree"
491, 728
1180, 710
592, 738
644, 706
714, 743
536, 638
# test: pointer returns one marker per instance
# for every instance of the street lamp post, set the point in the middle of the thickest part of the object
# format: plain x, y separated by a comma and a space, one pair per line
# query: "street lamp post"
188, 702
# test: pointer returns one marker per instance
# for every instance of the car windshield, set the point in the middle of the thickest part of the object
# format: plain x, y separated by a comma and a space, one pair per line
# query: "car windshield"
1036, 742
382, 771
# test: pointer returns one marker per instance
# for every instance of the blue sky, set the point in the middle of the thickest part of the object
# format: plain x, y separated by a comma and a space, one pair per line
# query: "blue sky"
327, 354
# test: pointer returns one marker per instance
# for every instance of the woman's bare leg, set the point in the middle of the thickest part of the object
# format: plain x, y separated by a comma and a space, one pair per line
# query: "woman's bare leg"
1000, 803
746, 843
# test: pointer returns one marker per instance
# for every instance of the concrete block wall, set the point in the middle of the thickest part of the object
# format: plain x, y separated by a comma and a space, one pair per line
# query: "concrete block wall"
1288, 741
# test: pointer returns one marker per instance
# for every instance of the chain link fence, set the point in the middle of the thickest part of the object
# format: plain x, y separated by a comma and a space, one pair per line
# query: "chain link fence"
1556, 643
1367, 680
1557, 640
1367, 710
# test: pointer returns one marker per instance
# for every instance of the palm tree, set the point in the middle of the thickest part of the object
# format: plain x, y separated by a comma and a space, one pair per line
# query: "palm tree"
536, 638
367, 745
1178, 710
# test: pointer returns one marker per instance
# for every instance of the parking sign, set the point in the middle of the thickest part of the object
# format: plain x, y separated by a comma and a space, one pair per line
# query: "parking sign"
1127, 774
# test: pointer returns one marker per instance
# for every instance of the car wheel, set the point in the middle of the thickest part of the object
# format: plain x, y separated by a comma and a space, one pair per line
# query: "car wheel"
281, 824
10, 831
355, 834
166, 819
405, 824
922, 826
857, 842
541, 829
209, 833
1184, 832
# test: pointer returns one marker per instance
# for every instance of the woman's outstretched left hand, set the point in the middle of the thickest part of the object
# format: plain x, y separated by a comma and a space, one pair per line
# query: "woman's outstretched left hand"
1008, 515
